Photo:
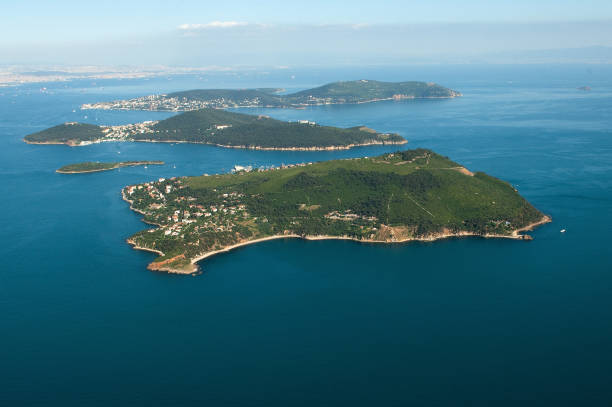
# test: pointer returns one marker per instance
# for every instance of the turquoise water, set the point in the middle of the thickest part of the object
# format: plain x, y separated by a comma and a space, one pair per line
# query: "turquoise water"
455, 322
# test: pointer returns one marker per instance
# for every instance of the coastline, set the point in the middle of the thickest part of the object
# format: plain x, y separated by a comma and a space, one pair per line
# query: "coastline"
85, 172
259, 148
146, 249
545, 219
47, 142
117, 165
430, 238
280, 106
125, 198
70, 143
330, 148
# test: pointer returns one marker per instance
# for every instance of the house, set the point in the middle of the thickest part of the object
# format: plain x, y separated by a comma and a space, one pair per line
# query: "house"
239, 168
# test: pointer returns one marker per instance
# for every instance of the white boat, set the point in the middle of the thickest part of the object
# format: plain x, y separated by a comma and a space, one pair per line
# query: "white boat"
562, 230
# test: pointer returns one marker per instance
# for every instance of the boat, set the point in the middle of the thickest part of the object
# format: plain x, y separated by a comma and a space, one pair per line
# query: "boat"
562, 230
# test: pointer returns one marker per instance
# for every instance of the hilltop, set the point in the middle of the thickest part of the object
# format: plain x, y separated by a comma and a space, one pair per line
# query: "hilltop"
347, 92
220, 128
71, 133
408, 195
364, 91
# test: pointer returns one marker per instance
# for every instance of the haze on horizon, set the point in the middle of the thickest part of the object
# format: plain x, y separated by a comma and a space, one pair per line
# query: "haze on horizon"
192, 33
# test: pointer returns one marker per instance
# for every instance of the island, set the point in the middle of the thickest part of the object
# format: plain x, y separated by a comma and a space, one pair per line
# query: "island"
396, 197
91, 166
346, 92
220, 128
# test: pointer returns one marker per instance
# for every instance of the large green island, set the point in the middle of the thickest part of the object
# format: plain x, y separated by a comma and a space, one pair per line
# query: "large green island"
220, 128
346, 92
96, 166
398, 197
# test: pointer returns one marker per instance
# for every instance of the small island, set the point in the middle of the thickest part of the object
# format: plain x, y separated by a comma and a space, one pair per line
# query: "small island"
220, 128
345, 92
397, 197
85, 167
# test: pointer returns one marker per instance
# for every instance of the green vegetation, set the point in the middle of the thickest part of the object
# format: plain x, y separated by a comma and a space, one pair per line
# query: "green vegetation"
214, 126
101, 166
220, 127
194, 124
414, 194
360, 91
336, 92
67, 133
366, 90
239, 97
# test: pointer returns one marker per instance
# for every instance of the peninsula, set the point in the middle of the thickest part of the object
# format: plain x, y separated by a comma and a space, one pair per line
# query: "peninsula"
80, 168
397, 197
347, 92
220, 128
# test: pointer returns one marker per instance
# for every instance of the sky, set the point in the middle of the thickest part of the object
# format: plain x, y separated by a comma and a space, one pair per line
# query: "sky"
198, 33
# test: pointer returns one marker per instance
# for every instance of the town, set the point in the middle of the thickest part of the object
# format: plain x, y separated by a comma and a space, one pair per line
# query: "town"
172, 104
186, 217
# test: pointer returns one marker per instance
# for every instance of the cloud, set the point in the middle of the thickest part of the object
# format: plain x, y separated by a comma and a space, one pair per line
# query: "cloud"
212, 24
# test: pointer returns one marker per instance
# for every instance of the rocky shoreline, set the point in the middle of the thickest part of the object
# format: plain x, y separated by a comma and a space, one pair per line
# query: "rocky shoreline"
71, 143
125, 107
194, 269
330, 148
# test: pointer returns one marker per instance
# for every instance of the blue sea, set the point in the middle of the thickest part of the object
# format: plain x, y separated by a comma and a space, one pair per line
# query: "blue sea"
459, 322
